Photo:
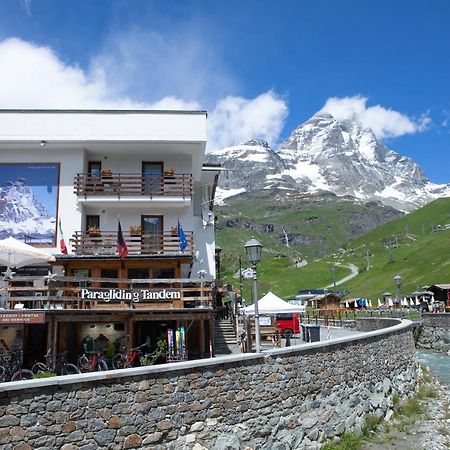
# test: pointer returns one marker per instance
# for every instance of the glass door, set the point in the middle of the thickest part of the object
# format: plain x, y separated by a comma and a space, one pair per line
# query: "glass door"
152, 177
152, 234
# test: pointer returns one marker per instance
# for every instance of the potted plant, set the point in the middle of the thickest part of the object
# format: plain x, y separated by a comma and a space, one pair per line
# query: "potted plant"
135, 230
174, 231
106, 173
94, 231
169, 172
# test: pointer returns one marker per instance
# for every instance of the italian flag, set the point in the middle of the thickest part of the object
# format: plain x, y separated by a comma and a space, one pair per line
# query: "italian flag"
62, 243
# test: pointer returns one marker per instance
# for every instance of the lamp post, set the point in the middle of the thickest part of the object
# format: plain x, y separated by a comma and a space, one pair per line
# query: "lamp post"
398, 282
253, 248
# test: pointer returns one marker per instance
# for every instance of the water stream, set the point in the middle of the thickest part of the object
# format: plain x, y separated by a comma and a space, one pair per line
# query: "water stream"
439, 364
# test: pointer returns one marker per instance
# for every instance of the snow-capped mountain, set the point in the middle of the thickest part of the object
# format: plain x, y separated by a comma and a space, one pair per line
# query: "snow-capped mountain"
22, 215
326, 155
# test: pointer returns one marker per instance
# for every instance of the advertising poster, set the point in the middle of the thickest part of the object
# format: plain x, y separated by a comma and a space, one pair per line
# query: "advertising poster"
29, 202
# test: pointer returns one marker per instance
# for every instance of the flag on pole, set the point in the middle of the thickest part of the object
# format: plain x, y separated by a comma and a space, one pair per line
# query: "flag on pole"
121, 244
62, 243
183, 243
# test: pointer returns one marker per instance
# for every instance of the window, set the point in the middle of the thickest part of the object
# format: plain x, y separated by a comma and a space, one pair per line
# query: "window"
92, 222
109, 273
152, 177
138, 273
94, 168
152, 234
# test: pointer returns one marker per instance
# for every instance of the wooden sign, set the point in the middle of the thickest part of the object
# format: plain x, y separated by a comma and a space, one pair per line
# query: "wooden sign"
21, 317
132, 295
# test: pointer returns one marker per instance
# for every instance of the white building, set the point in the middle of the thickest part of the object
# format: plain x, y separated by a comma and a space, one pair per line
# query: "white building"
90, 169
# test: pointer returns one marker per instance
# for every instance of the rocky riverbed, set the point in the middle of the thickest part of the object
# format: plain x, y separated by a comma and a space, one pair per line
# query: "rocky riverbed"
426, 425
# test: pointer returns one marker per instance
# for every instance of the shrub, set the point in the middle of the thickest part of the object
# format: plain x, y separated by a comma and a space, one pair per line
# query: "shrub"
48, 374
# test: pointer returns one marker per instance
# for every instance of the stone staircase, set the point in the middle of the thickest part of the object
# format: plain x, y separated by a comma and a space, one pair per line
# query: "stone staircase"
224, 338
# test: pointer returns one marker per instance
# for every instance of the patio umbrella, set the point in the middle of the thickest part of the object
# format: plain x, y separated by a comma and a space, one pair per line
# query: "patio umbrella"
14, 253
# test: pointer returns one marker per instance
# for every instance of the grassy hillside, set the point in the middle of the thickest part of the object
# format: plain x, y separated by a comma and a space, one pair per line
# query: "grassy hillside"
418, 254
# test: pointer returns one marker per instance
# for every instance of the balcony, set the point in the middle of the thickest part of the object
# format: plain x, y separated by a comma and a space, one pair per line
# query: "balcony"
128, 186
105, 243
85, 293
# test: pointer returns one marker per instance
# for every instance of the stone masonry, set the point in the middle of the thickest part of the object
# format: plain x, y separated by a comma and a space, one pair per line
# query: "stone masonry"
435, 332
290, 398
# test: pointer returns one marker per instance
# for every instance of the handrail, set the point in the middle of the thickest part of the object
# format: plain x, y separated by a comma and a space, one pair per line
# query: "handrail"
133, 184
103, 242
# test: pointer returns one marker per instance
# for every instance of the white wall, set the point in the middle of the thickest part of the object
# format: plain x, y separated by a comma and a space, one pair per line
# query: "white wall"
103, 126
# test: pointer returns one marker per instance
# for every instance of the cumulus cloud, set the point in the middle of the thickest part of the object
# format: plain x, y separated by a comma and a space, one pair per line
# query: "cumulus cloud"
236, 119
33, 76
384, 122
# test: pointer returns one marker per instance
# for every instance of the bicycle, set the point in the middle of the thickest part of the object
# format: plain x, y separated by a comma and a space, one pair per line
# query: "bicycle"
59, 365
92, 362
128, 359
12, 370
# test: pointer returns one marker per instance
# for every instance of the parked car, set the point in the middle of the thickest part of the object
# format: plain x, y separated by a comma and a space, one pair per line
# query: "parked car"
289, 323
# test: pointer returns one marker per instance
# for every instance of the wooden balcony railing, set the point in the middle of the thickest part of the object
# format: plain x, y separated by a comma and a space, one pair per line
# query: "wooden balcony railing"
133, 184
63, 293
105, 243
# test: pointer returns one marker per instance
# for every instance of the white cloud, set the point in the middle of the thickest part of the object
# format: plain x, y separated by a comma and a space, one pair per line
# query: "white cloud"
32, 76
384, 122
236, 119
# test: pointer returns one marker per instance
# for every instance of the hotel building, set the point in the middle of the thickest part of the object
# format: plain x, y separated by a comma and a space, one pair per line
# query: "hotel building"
77, 174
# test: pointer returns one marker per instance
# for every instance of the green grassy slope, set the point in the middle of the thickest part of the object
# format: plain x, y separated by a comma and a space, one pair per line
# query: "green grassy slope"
419, 255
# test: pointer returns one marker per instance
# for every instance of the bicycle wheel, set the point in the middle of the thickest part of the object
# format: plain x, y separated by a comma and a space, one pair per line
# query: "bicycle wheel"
22, 374
39, 367
119, 361
70, 369
83, 363
101, 365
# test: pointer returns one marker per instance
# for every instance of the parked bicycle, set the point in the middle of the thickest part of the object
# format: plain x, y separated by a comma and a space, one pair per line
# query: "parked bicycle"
92, 362
11, 368
58, 365
129, 358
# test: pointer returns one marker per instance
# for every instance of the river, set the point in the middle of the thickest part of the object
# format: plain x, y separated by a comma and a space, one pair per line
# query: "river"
439, 364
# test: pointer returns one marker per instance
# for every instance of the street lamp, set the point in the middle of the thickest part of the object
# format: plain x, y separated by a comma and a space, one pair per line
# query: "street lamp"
253, 248
398, 282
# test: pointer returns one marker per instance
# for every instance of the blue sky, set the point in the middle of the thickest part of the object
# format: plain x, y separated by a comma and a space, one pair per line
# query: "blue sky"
260, 68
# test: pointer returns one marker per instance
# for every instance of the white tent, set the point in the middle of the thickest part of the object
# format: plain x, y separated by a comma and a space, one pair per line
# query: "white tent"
271, 304
14, 253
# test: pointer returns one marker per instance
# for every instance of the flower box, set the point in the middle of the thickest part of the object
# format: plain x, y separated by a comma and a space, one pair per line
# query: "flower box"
94, 232
135, 230
106, 173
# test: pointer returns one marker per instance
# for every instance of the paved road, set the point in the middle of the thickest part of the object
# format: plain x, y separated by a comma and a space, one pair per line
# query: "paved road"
354, 273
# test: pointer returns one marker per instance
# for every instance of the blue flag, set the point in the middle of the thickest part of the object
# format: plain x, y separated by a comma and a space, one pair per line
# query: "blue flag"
182, 238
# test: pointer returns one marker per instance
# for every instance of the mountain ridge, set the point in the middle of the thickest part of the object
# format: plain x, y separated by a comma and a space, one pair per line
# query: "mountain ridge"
323, 154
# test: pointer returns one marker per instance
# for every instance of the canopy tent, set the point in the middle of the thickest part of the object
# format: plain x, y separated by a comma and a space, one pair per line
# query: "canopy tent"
16, 254
271, 304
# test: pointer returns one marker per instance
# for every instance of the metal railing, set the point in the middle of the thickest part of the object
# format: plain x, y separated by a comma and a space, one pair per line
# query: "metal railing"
133, 184
101, 242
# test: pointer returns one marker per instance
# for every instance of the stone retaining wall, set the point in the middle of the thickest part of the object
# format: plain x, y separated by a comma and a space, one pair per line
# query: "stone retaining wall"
435, 332
290, 398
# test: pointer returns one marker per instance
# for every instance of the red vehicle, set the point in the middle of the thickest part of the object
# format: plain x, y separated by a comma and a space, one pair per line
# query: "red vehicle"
289, 323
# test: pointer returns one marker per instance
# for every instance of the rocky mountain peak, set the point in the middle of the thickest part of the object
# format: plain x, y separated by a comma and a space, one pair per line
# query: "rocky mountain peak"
324, 154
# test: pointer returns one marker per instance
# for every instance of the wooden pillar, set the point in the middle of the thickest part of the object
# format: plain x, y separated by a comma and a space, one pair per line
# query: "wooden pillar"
211, 334
202, 339
55, 335
129, 331
50, 323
